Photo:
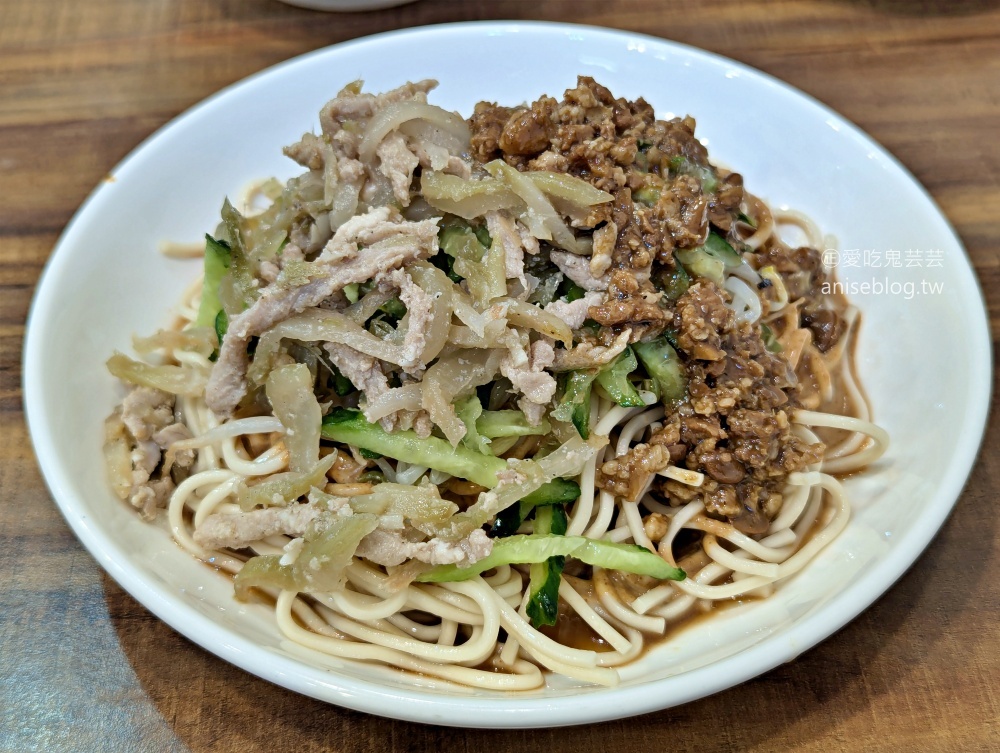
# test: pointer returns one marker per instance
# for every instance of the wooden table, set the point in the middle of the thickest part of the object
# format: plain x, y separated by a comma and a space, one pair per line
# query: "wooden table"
83, 667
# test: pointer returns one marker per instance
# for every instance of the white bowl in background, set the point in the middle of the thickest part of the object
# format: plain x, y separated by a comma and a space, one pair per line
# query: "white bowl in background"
346, 6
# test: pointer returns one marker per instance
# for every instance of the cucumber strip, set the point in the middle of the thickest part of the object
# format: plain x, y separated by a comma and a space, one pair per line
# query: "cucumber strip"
664, 365
710, 260
521, 549
218, 256
720, 248
544, 577
558, 492
574, 406
350, 427
614, 379
675, 283
508, 423
507, 522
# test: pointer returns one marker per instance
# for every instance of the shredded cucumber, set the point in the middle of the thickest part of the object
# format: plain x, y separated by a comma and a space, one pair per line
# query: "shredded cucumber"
544, 577
529, 549
614, 379
350, 427
664, 366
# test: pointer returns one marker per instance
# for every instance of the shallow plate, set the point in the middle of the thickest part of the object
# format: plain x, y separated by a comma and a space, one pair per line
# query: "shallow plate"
106, 280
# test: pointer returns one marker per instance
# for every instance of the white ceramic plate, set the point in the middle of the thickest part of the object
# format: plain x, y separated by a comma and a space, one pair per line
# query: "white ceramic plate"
925, 357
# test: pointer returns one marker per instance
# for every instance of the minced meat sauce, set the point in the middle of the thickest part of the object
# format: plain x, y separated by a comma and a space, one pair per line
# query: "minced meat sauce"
733, 424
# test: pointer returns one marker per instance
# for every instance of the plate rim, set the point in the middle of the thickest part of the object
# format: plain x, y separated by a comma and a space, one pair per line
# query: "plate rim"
518, 711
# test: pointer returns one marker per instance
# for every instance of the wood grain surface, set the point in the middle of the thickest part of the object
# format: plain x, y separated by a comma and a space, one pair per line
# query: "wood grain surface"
83, 667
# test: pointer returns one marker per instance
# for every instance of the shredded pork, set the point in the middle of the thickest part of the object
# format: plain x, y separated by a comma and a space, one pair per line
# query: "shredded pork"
531, 378
397, 164
578, 269
235, 530
146, 411
420, 314
383, 547
388, 242
503, 230
145, 427
575, 313
391, 548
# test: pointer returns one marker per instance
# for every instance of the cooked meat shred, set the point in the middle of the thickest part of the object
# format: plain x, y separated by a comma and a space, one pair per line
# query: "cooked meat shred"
397, 163
532, 378
577, 268
391, 548
239, 529
147, 424
388, 241
575, 313
146, 411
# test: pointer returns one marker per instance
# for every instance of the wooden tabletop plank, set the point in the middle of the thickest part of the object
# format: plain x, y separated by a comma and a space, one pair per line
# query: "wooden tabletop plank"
83, 667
